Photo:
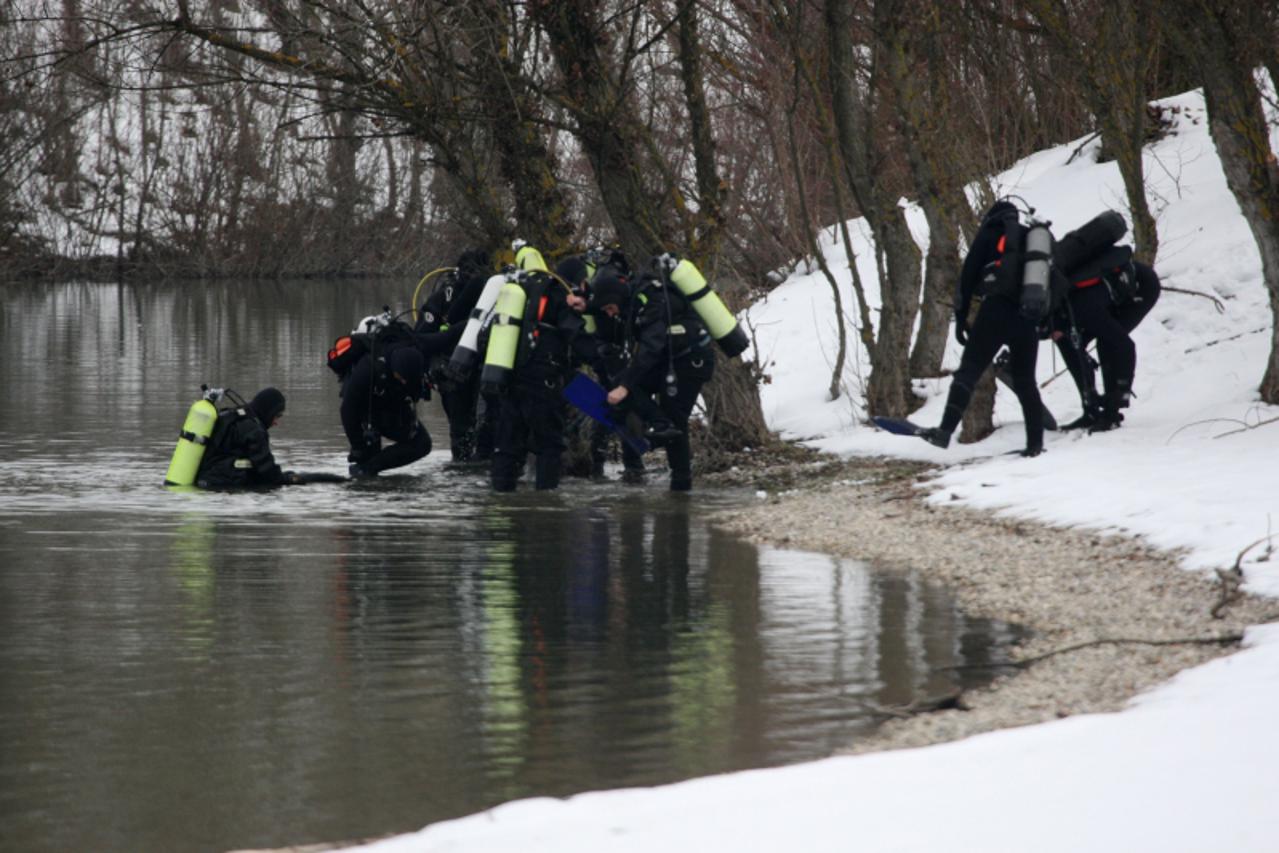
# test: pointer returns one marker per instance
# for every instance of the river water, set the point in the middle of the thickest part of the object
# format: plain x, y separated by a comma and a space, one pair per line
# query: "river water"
210, 671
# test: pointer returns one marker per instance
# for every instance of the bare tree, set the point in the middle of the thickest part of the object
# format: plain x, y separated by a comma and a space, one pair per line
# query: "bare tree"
1227, 42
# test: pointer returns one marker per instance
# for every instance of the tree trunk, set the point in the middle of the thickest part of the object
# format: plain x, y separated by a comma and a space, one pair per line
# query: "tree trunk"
610, 139
1225, 51
941, 272
888, 388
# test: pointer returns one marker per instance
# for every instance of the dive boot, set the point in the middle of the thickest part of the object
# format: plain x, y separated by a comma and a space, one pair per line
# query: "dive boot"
935, 436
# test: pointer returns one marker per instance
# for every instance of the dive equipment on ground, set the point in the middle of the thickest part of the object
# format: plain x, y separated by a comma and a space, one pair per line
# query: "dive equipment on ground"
466, 354
193, 438
719, 321
504, 337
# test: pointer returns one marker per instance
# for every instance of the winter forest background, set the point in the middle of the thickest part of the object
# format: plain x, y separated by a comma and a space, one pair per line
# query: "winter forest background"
278, 138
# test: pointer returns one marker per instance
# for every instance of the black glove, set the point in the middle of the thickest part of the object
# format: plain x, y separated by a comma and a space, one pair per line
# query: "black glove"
961, 332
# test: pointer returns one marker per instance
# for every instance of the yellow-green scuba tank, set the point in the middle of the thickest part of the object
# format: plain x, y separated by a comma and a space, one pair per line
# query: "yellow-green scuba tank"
528, 258
719, 320
194, 437
504, 336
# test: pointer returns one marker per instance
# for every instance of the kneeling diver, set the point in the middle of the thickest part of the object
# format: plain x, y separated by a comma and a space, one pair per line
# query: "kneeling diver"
379, 398
239, 451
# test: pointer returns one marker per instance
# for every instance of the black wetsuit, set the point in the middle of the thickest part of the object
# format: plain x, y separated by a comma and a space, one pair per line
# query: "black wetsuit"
446, 310
1097, 316
608, 360
663, 334
999, 323
531, 409
239, 454
376, 405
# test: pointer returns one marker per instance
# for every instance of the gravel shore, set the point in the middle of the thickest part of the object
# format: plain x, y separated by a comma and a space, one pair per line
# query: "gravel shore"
1067, 586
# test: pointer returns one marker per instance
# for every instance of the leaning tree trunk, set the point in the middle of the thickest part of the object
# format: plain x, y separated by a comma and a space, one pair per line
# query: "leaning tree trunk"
941, 272
1223, 47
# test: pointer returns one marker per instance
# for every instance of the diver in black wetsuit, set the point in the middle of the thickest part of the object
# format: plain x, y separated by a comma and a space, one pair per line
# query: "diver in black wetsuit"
239, 453
446, 309
1107, 308
379, 398
670, 358
999, 322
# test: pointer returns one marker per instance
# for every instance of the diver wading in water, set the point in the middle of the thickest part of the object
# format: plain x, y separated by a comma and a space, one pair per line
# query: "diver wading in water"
669, 319
229, 449
526, 364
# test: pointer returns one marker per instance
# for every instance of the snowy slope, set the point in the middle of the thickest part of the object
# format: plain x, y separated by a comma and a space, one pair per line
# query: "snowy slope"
1190, 766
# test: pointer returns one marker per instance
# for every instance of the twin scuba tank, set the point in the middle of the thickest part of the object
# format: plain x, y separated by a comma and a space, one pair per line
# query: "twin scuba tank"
193, 438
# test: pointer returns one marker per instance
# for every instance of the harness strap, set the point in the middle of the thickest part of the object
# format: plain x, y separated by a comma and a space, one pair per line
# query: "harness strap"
193, 438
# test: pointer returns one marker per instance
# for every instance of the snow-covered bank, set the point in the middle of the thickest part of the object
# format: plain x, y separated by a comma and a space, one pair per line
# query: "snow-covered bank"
1189, 765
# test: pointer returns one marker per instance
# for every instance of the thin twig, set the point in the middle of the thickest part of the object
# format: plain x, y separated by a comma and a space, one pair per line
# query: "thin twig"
1247, 427
1201, 423
1221, 306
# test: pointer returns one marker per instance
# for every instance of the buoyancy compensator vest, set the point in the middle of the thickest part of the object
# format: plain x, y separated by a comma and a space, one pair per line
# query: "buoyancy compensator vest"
376, 335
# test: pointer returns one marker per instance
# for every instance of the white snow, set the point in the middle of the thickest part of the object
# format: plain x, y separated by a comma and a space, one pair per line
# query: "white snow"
1192, 765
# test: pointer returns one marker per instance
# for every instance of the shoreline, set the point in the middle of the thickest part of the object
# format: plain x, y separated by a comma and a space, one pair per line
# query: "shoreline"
1067, 586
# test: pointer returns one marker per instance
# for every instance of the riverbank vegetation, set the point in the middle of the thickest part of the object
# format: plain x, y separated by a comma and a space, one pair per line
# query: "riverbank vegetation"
270, 139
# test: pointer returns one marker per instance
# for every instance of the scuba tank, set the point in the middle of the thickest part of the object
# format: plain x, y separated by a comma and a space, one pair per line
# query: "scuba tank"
466, 353
1036, 271
193, 438
719, 320
1089, 241
528, 258
504, 337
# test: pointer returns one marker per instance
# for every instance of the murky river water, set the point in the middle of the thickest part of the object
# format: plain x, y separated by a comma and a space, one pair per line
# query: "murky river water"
206, 672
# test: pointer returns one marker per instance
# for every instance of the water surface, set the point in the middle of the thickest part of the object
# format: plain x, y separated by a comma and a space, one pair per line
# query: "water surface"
205, 671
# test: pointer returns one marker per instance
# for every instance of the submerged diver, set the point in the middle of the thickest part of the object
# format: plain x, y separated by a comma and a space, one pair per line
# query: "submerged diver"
379, 400
239, 451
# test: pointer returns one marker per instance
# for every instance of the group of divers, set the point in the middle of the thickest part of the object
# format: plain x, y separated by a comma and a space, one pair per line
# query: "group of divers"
507, 352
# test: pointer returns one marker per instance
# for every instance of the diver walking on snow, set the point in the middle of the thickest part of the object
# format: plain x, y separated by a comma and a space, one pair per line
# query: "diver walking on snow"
1109, 295
1009, 268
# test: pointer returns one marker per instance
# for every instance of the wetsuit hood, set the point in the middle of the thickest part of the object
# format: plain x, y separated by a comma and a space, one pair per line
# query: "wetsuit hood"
573, 270
407, 362
267, 405
608, 288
